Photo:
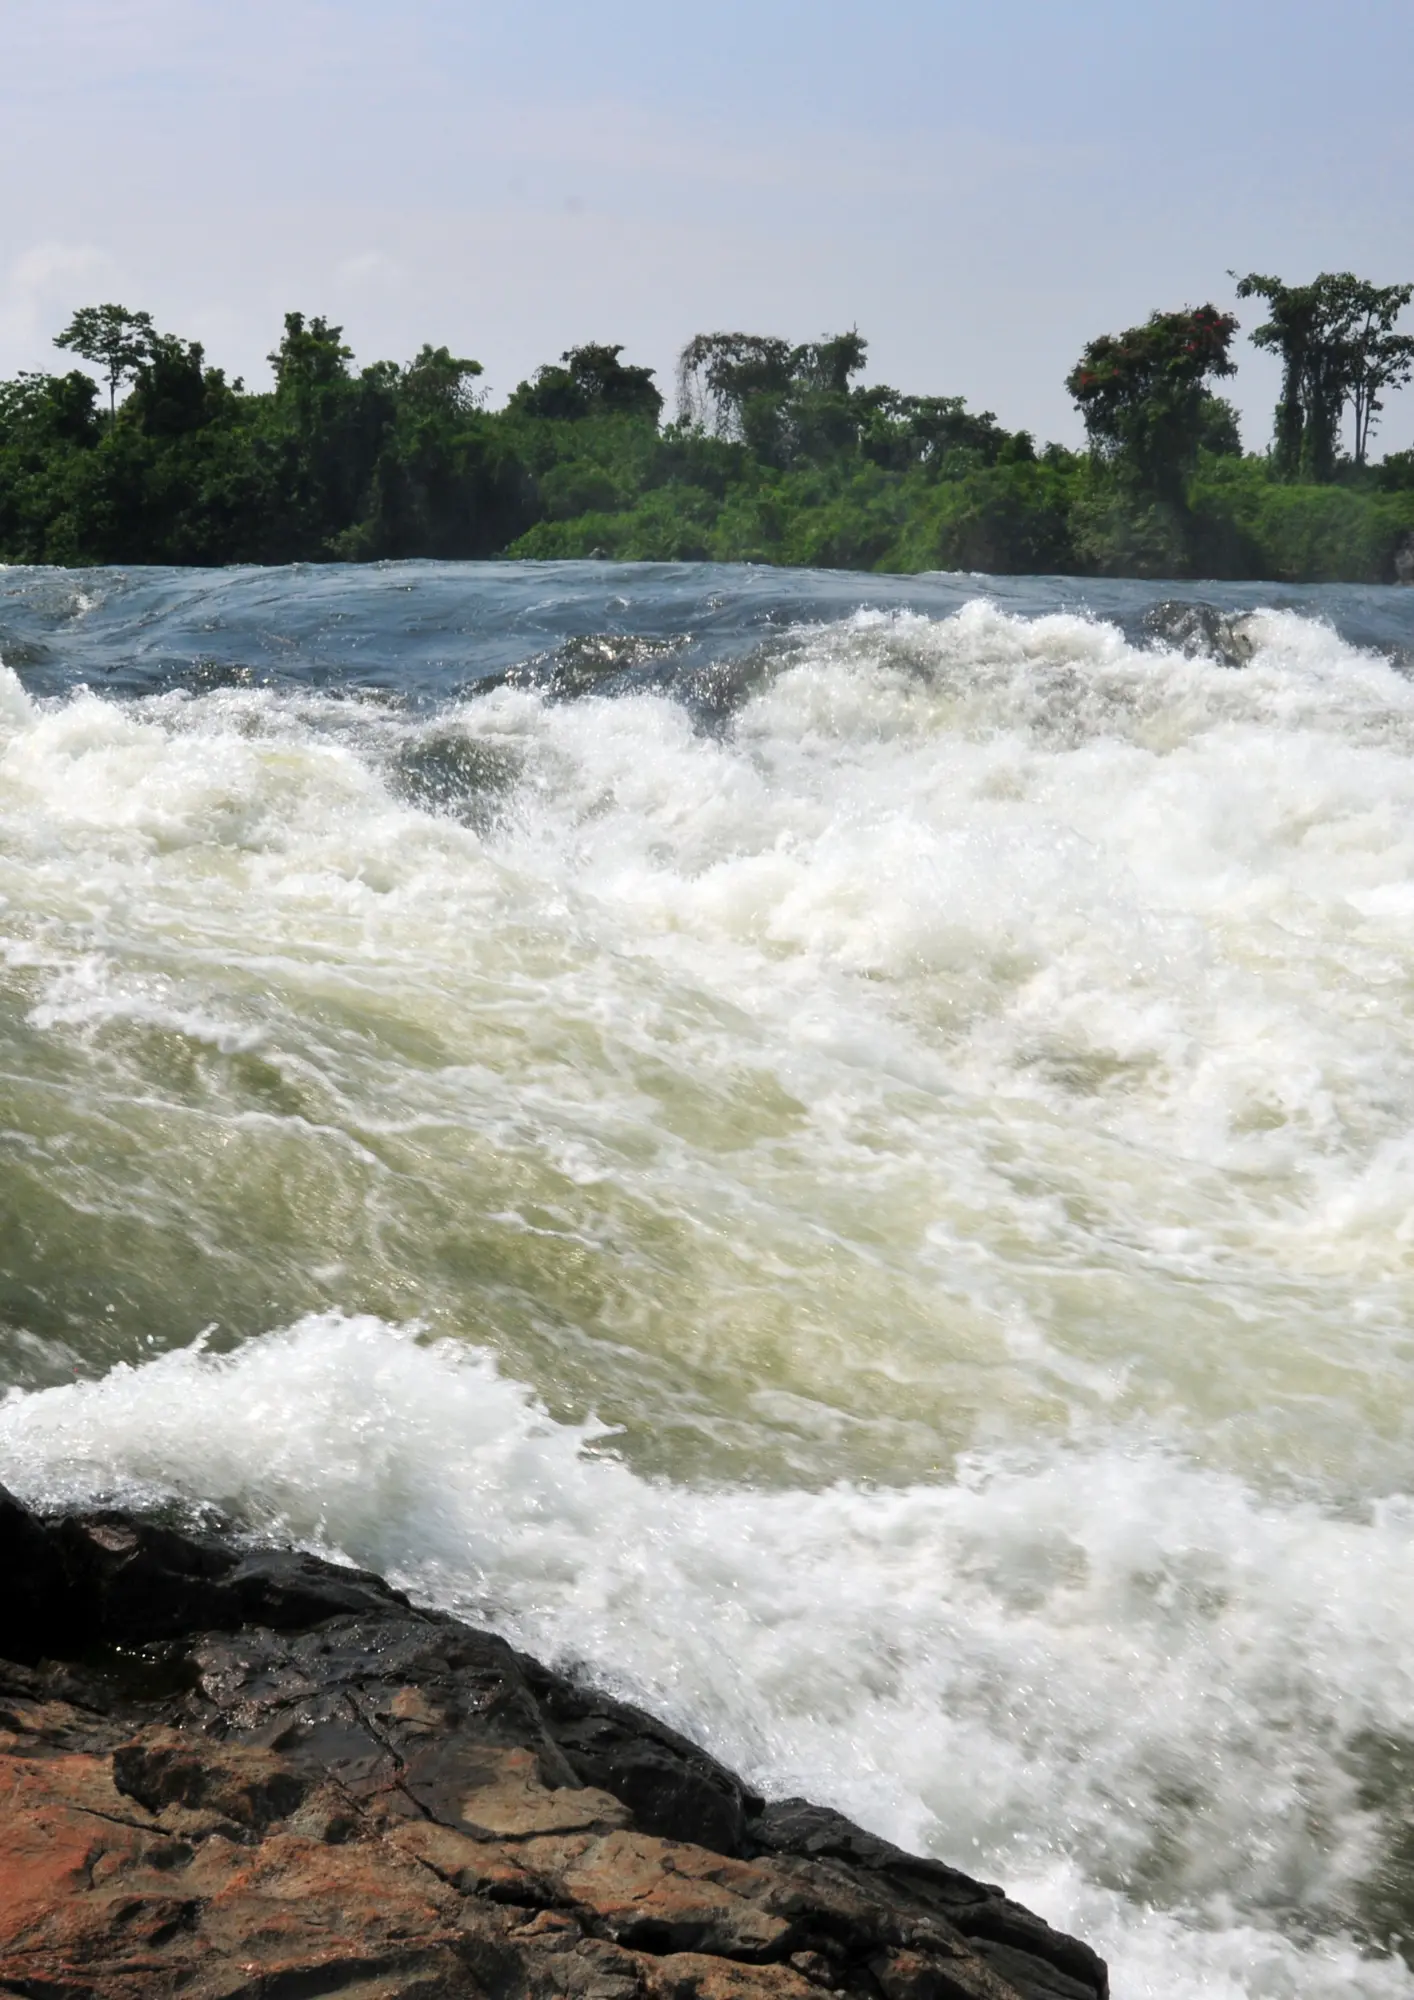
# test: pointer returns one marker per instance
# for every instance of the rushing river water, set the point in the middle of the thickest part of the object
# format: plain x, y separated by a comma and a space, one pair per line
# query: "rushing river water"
839, 1150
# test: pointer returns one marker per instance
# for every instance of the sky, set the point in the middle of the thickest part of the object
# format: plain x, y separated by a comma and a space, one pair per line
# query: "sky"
979, 188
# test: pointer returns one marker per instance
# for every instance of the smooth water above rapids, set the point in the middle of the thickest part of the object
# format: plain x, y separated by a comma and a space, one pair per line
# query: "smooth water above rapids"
838, 1149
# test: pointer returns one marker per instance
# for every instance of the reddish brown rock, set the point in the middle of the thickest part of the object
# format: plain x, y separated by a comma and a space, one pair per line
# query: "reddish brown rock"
227, 1776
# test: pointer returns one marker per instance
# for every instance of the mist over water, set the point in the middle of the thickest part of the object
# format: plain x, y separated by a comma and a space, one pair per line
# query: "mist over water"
839, 1150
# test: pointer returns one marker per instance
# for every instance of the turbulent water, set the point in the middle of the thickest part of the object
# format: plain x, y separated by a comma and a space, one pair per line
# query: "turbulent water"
840, 1151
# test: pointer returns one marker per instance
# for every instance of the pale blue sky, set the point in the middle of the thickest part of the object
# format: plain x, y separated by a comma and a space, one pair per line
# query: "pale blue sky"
979, 189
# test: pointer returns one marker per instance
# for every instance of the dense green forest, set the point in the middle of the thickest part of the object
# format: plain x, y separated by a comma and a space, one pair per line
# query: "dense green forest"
775, 453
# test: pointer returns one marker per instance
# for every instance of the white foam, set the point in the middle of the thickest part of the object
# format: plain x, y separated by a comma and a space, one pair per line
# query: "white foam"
1101, 1668
16, 708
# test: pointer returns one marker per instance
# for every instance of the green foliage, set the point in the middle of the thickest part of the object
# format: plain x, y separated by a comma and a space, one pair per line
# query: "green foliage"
670, 524
1246, 523
591, 382
1338, 348
1396, 474
1119, 533
1144, 397
780, 454
1014, 517
789, 406
114, 339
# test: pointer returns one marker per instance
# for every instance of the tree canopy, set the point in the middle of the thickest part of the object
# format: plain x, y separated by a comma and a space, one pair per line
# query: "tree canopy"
1338, 349
1143, 393
114, 339
780, 451
589, 381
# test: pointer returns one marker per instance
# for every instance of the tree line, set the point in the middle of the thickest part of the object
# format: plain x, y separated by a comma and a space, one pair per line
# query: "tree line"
1145, 398
776, 452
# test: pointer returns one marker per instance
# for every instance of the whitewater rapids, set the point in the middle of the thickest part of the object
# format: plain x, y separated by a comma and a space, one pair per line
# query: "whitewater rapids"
854, 1175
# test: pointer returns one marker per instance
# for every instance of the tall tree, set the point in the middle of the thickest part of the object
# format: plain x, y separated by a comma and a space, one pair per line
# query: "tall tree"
1376, 357
787, 404
829, 366
111, 338
1338, 348
438, 381
1293, 331
1143, 393
311, 356
720, 373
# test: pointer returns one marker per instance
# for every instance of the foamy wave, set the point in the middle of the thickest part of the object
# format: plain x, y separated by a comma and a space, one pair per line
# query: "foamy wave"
16, 708
987, 1051
1103, 1667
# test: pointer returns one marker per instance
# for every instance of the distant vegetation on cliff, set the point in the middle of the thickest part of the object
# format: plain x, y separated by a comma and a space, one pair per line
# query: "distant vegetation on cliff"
776, 453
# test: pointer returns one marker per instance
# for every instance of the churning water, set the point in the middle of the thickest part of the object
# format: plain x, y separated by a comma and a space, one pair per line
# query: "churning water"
840, 1151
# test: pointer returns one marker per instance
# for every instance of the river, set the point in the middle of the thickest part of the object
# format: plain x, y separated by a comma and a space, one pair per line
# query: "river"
836, 1150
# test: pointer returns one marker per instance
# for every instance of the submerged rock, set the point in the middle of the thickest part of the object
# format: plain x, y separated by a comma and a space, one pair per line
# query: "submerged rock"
236, 1776
449, 771
1202, 630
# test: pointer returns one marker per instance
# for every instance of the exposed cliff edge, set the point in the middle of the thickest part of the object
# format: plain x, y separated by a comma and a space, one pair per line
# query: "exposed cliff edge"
256, 1776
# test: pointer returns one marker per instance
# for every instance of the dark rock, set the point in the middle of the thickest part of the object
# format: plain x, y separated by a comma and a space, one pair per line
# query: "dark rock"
815, 1833
237, 1776
1202, 631
117, 1579
980, 1910
447, 771
35, 1615
673, 1789
1404, 558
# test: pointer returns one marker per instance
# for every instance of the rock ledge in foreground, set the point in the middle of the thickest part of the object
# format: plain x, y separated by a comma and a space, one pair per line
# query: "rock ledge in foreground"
238, 1776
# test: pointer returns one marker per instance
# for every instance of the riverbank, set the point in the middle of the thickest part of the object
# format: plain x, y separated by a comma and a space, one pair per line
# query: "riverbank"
388, 463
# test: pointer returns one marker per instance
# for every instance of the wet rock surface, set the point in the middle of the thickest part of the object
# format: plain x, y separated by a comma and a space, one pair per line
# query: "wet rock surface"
1202, 631
255, 1776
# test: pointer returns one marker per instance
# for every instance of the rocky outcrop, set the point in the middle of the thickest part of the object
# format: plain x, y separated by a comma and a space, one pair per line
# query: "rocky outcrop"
1202, 631
238, 1775
1403, 559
